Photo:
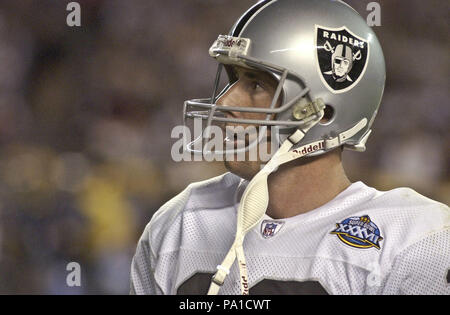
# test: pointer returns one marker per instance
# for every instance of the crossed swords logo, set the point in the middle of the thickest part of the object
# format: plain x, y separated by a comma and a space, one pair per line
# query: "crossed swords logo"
340, 63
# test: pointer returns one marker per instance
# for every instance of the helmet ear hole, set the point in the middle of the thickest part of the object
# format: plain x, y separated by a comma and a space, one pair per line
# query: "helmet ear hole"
328, 115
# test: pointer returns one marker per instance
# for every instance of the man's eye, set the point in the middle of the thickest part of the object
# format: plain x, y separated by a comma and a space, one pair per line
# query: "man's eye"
256, 85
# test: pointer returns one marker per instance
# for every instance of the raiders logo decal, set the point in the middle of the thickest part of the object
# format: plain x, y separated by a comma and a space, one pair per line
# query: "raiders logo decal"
342, 58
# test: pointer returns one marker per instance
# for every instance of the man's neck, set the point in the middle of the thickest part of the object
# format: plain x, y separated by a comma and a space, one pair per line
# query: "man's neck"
304, 185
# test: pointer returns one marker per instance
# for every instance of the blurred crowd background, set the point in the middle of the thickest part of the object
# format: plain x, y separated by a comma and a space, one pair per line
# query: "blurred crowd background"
86, 114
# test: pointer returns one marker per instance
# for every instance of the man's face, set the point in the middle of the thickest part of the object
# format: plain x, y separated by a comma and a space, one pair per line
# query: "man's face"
251, 89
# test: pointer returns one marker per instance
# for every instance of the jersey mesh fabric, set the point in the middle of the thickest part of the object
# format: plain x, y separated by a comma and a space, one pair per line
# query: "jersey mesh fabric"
422, 267
193, 232
141, 273
153, 267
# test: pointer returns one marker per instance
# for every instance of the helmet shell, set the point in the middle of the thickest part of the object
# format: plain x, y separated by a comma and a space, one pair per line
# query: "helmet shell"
306, 37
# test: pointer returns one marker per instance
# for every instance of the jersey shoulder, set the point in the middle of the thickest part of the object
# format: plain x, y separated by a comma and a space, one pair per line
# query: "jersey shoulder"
417, 238
214, 193
408, 196
411, 204
408, 216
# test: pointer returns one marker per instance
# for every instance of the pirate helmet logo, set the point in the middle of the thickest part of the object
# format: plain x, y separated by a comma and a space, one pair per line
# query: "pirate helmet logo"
342, 58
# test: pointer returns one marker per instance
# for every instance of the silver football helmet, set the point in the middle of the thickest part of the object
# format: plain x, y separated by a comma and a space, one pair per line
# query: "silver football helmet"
326, 60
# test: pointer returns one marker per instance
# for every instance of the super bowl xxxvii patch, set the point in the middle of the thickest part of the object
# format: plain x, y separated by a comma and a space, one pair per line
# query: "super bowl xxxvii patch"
359, 232
269, 228
342, 58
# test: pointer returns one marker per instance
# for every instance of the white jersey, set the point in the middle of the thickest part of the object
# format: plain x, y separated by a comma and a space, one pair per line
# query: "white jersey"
362, 242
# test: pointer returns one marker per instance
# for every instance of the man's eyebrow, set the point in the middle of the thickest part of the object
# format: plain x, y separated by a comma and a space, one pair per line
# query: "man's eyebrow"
254, 76
250, 75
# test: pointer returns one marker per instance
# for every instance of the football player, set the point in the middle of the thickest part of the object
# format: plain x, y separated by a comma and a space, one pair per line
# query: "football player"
296, 224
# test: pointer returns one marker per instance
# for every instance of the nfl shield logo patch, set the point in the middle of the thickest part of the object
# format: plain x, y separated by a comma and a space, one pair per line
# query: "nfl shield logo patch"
342, 58
269, 228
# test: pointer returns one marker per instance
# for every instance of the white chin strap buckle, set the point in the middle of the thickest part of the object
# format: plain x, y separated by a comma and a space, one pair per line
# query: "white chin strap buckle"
219, 277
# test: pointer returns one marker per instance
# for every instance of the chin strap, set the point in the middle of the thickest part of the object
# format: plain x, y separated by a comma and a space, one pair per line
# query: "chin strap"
255, 199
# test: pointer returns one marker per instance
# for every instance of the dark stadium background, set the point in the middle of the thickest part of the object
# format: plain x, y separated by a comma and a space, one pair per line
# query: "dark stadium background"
86, 114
